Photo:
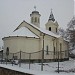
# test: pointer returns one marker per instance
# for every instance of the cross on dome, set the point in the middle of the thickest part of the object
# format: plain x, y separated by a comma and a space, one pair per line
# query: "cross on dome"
51, 11
35, 8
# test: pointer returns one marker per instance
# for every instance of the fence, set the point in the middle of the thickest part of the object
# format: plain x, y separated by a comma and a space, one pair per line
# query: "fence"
35, 56
39, 56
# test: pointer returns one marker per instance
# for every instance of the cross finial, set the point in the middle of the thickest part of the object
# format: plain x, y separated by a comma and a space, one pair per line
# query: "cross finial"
35, 8
51, 10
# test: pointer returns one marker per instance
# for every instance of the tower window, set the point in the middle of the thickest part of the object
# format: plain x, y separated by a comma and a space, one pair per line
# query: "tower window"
35, 19
49, 28
32, 20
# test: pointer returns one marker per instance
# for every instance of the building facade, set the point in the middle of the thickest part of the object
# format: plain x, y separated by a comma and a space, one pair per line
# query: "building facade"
30, 38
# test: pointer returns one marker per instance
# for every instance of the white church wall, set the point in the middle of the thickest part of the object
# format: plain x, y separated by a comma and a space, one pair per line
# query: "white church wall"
24, 44
30, 45
53, 26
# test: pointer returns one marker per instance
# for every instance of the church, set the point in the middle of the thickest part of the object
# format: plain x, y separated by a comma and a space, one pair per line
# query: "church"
30, 38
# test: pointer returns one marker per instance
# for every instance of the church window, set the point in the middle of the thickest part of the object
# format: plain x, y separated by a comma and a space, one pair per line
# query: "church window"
35, 19
56, 30
7, 51
38, 20
49, 28
47, 50
61, 50
54, 50
32, 20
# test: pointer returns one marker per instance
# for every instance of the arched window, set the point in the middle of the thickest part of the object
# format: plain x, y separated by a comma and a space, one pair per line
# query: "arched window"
61, 50
47, 50
7, 51
54, 50
60, 46
35, 19
49, 28
32, 20
56, 30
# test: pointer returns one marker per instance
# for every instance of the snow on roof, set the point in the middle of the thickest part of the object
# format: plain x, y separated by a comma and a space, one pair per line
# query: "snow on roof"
44, 30
50, 33
23, 31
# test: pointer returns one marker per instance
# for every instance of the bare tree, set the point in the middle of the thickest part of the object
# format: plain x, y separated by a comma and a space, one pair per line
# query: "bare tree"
71, 33
63, 33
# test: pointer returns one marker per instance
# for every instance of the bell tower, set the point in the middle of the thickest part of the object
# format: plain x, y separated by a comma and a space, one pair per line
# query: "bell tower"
35, 17
52, 25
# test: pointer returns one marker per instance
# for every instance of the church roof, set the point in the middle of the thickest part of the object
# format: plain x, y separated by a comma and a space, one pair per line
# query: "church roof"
51, 17
46, 31
49, 33
23, 31
35, 12
41, 30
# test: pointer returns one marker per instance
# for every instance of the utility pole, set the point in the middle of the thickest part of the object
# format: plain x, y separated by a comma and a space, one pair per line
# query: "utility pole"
58, 61
42, 54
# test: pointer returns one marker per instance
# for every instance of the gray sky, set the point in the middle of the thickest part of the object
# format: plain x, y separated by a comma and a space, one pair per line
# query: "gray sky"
13, 12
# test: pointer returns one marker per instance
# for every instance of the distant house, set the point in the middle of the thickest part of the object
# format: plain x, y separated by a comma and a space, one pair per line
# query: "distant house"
29, 37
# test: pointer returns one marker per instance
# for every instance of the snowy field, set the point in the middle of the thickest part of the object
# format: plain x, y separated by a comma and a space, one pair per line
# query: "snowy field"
48, 68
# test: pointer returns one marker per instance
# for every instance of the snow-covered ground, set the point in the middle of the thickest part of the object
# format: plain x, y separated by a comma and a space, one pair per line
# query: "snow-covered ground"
48, 68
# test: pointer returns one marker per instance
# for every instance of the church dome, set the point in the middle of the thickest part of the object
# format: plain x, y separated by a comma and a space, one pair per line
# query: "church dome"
35, 12
35, 18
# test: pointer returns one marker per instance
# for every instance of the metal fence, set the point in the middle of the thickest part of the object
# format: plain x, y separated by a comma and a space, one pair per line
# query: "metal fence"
39, 56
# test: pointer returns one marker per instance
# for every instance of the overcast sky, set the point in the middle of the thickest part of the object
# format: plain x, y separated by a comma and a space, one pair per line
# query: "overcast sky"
13, 12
